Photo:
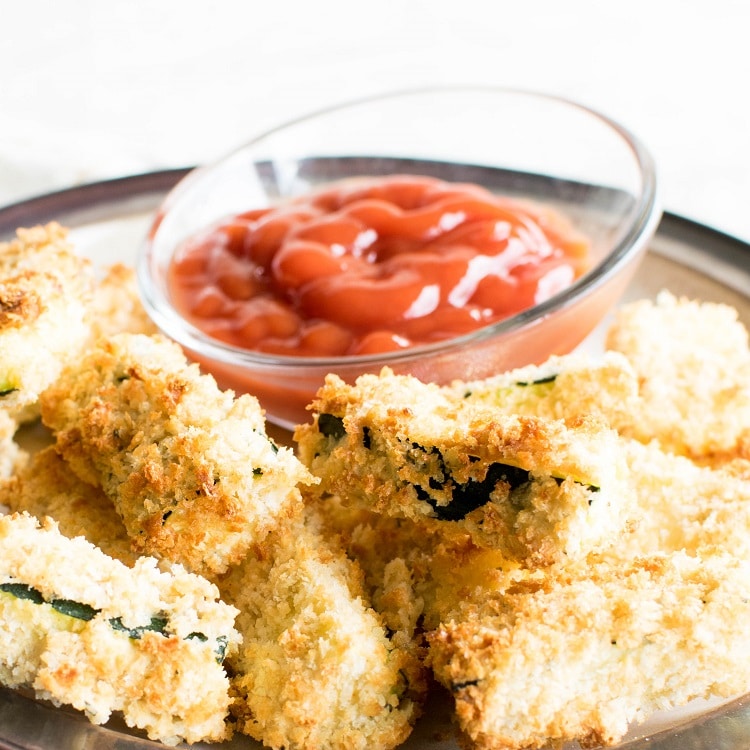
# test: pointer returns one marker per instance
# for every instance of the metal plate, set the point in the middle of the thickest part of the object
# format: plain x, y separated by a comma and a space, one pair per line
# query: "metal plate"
108, 221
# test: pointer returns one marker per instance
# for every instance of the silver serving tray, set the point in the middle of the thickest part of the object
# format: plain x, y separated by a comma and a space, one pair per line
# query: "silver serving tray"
108, 221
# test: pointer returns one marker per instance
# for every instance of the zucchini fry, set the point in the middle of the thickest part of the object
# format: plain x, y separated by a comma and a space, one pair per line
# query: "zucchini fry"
84, 630
316, 668
693, 364
536, 489
189, 468
570, 388
45, 293
580, 653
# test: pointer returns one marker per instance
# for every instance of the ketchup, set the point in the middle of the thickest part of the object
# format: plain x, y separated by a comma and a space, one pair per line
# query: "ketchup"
369, 265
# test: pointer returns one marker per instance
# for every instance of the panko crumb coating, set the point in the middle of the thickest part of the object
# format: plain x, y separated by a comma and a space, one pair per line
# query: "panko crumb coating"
394, 554
573, 652
116, 306
693, 365
537, 489
582, 652
45, 293
47, 487
189, 468
688, 541
84, 630
570, 387
686, 506
316, 668
539, 640
12, 456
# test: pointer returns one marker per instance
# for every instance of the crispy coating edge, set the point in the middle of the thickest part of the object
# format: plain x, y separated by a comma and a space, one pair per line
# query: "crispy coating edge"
582, 653
693, 363
317, 668
407, 449
169, 683
45, 292
189, 468
46, 486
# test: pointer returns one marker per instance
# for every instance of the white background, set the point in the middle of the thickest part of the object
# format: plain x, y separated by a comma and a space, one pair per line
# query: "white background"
92, 89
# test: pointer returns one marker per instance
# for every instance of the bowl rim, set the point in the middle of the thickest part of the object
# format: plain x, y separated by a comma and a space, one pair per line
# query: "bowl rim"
645, 216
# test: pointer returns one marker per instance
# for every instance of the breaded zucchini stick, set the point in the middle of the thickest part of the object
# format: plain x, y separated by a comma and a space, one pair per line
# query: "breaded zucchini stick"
84, 630
189, 468
316, 668
116, 306
474, 609
581, 653
683, 507
536, 489
46, 486
568, 387
693, 363
45, 293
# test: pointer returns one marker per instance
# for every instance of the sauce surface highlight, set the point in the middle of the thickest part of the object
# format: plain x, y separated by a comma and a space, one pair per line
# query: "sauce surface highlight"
370, 265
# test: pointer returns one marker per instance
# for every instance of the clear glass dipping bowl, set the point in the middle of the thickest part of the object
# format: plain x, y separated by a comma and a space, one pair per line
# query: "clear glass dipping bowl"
518, 143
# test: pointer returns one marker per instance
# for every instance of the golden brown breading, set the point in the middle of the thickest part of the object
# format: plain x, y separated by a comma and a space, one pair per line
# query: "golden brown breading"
467, 598
681, 506
393, 554
581, 652
693, 364
84, 630
534, 488
188, 467
471, 511
316, 668
415, 574
685, 506
12, 457
47, 486
116, 306
455, 587
571, 388
45, 292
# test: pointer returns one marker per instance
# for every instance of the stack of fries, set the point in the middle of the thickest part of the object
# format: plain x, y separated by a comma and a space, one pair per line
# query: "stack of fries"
565, 547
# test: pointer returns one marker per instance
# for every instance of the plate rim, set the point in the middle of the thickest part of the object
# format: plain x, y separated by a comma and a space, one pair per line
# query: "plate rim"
112, 192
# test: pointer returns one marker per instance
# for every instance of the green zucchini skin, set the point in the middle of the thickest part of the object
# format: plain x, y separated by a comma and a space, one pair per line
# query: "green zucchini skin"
466, 497
85, 612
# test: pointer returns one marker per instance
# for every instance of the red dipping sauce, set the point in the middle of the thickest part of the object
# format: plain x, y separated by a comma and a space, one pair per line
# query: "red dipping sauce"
370, 265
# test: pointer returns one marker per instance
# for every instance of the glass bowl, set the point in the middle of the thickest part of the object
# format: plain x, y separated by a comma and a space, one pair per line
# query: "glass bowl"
517, 143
